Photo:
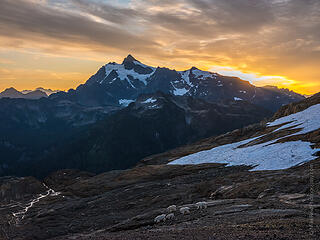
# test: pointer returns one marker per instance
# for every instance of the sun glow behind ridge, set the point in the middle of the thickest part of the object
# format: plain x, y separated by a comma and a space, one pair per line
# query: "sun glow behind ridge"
254, 78
58, 43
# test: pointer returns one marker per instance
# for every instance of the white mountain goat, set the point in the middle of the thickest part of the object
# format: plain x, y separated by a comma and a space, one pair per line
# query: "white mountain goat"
201, 205
185, 210
170, 216
160, 218
172, 208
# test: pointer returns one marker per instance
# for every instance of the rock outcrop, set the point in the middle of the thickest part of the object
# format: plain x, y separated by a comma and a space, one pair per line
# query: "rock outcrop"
18, 189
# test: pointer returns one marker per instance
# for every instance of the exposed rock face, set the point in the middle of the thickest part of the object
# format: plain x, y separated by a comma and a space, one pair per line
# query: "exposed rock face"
17, 189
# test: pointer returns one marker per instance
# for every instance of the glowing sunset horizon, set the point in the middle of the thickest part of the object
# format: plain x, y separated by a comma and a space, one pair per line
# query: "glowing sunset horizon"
59, 44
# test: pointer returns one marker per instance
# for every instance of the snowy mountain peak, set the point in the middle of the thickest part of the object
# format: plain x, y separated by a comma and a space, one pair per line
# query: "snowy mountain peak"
116, 82
131, 71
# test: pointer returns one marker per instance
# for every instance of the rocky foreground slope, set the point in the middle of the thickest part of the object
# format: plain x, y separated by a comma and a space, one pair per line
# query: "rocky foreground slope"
242, 203
122, 205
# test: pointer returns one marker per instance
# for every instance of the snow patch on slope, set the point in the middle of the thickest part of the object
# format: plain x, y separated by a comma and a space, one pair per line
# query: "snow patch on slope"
124, 73
149, 100
265, 156
237, 99
125, 102
185, 77
179, 91
308, 120
269, 155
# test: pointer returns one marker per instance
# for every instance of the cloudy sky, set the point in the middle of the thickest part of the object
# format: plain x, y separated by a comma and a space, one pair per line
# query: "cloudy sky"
60, 43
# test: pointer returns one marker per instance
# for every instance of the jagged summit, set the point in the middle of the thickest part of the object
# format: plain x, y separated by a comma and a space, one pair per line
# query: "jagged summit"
10, 89
129, 58
194, 68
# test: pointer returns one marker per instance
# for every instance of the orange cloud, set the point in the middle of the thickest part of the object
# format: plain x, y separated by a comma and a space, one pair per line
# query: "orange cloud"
275, 42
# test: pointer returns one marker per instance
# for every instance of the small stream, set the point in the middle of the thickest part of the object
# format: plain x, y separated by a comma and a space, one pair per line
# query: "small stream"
21, 214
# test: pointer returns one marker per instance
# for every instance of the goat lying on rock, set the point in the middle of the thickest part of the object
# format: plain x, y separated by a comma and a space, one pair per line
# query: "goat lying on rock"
185, 210
172, 208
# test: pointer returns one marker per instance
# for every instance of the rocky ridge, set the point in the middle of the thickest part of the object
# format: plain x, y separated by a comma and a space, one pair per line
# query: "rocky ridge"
13, 93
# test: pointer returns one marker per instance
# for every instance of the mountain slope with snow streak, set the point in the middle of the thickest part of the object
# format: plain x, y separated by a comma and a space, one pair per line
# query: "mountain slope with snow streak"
272, 154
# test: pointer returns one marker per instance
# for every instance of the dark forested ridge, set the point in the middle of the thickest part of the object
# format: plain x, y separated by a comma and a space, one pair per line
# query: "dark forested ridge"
153, 124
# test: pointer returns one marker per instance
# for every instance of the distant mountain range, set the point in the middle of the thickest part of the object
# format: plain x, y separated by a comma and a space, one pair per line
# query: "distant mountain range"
27, 94
119, 84
47, 91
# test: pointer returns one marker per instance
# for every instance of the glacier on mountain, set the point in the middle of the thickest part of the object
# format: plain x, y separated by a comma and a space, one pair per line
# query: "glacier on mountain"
124, 73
